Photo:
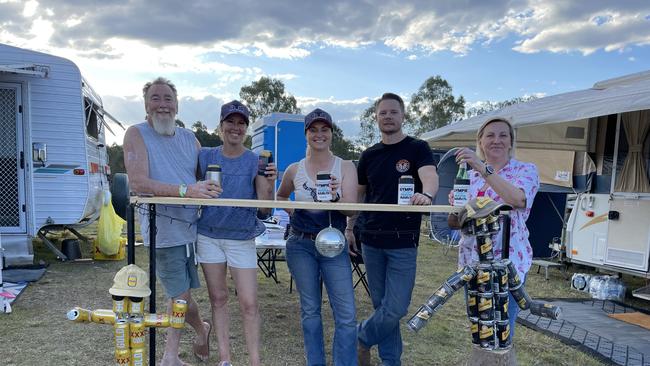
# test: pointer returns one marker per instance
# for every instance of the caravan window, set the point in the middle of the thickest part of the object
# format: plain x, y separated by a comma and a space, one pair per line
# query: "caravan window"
92, 118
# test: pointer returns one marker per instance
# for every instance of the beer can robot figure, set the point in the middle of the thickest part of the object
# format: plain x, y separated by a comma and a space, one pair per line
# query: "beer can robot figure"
127, 317
489, 281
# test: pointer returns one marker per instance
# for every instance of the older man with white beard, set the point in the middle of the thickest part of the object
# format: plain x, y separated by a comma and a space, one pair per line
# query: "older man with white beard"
161, 159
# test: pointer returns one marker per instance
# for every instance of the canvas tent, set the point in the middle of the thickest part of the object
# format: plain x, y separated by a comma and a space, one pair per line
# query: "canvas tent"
556, 131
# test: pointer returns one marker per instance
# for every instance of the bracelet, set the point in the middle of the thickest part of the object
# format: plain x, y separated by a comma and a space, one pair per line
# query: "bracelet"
182, 190
428, 196
338, 197
348, 229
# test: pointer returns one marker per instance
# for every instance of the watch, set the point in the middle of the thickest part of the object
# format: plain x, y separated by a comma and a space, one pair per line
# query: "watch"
489, 170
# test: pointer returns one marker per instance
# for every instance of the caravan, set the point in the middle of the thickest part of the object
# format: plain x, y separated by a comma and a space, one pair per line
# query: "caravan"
53, 159
593, 145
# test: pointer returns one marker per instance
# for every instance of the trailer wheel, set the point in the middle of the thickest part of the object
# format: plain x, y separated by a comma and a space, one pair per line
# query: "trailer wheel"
120, 194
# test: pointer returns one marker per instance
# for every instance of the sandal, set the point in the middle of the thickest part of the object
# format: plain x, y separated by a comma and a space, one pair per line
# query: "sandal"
202, 351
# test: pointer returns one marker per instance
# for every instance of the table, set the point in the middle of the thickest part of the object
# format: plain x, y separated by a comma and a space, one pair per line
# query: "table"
269, 251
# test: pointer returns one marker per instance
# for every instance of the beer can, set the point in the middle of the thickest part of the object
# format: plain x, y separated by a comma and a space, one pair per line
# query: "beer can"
484, 277
521, 297
546, 310
503, 333
480, 226
136, 306
513, 276
405, 189
103, 316
122, 357
501, 302
474, 327
500, 277
484, 247
179, 308
493, 224
138, 357
323, 191
486, 333
120, 305
460, 278
266, 157
472, 304
420, 318
121, 333
79, 315
213, 173
156, 320
485, 305
137, 332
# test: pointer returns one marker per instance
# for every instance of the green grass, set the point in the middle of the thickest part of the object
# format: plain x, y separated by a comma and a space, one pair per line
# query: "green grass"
37, 332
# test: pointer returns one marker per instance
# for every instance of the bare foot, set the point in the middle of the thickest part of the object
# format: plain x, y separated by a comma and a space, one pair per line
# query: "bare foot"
172, 361
202, 350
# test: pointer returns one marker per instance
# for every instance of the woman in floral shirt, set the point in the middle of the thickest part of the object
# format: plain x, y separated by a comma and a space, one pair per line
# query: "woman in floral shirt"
496, 174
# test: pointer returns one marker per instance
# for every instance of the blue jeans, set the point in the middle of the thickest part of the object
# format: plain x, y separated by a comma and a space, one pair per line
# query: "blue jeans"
307, 267
391, 277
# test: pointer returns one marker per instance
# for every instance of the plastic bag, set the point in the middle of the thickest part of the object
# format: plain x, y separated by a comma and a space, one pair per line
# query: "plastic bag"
606, 288
109, 229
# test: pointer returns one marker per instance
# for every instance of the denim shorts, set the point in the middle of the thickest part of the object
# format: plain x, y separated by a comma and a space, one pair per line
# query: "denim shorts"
176, 269
237, 253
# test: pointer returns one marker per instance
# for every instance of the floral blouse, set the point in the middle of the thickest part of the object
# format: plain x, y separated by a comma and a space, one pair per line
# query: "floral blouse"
525, 177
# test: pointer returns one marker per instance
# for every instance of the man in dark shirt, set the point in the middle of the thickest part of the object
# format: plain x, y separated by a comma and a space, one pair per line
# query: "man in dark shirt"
389, 240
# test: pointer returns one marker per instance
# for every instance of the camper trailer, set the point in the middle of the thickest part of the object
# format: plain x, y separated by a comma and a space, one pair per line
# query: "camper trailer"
53, 158
593, 146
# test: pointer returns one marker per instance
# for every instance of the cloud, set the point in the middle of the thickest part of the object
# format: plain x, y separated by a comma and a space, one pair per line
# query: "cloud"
291, 29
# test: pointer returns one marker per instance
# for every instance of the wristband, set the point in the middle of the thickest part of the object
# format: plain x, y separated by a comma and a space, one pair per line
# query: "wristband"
182, 190
338, 197
428, 196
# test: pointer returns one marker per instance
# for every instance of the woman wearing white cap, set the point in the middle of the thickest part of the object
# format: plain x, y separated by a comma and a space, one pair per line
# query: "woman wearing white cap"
307, 266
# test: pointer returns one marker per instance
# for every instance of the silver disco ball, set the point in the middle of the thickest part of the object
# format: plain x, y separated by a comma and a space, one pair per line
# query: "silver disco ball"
330, 242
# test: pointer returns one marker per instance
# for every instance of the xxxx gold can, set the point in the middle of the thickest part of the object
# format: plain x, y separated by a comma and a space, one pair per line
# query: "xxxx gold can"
120, 305
138, 357
156, 320
102, 316
136, 305
121, 333
137, 332
122, 357
179, 308
79, 315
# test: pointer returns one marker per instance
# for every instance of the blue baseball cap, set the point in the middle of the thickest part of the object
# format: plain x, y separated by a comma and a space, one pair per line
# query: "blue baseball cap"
318, 115
235, 107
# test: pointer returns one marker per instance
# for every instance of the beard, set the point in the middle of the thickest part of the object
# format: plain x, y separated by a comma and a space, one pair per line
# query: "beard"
164, 125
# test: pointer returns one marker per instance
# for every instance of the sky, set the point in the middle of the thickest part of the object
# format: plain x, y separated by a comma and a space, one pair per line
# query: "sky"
336, 55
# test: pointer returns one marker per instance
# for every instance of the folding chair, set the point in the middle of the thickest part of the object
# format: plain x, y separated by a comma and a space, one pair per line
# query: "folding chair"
357, 262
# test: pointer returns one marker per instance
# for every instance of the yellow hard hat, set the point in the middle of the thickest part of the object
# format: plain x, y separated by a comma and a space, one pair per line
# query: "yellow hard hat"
132, 281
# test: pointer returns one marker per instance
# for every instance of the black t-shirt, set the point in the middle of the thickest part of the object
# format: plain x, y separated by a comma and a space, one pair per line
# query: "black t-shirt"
380, 168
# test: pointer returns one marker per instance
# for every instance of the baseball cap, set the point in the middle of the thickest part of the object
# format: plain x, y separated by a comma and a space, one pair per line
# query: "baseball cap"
235, 107
318, 115
131, 280
480, 207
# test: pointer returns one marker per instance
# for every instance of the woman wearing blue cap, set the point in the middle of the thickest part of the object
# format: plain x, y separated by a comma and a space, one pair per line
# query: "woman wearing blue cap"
226, 235
307, 266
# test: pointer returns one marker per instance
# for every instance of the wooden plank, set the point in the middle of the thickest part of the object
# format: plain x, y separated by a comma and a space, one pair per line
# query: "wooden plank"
293, 204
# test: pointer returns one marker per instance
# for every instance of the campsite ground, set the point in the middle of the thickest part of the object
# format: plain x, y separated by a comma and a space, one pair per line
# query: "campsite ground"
37, 332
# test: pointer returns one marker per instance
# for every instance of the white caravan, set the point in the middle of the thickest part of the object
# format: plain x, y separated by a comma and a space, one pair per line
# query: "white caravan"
595, 145
53, 159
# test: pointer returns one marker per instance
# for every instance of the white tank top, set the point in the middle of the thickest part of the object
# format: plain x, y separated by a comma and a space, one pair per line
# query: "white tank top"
305, 187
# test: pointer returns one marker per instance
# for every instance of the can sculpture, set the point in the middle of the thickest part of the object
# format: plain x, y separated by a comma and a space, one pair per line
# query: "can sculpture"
489, 281
129, 321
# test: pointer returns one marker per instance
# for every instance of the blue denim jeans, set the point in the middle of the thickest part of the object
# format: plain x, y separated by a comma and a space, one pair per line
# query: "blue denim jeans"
391, 277
307, 267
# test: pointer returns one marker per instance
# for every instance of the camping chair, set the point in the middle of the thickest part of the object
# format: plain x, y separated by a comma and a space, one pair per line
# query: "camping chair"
357, 262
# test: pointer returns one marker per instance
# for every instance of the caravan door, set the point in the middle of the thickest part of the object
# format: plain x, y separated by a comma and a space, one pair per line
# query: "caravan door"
628, 232
12, 160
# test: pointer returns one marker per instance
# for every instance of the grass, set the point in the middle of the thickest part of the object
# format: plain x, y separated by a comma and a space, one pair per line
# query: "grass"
37, 332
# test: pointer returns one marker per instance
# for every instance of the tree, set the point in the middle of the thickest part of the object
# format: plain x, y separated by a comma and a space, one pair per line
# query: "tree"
116, 158
433, 106
488, 106
267, 95
180, 123
207, 139
342, 147
369, 134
